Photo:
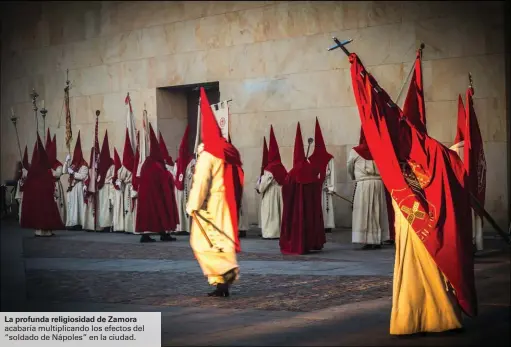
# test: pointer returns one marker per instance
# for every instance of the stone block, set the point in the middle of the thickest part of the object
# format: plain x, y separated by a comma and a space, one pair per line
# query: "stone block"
441, 120
496, 183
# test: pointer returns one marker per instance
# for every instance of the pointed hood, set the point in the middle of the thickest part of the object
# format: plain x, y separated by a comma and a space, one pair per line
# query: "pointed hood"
363, 149
211, 135
52, 154
183, 160
154, 146
117, 166
298, 151
320, 157
48, 140
164, 152
303, 172
128, 158
40, 160
25, 163
78, 160
105, 161
264, 162
274, 165
462, 122
34, 152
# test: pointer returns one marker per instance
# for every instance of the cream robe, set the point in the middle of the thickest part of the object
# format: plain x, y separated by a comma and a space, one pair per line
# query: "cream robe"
59, 193
370, 223
105, 210
125, 177
422, 299
19, 193
243, 215
327, 199
208, 183
477, 221
271, 206
75, 214
116, 196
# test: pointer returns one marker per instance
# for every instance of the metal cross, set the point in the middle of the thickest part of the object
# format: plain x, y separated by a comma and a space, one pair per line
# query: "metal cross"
413, 213
340, 45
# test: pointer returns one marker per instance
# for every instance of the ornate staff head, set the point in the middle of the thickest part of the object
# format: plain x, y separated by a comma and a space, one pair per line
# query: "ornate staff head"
470, 81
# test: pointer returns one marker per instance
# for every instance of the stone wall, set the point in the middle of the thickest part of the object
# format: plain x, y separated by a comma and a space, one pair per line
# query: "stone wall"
270, 57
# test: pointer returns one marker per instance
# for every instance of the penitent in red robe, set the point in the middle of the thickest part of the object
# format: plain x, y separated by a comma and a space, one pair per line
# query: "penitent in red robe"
156, 206
302, 228
39, 209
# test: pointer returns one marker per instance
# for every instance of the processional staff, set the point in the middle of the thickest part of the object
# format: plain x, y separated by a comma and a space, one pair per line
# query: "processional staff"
34, 97
14, 119
43, 111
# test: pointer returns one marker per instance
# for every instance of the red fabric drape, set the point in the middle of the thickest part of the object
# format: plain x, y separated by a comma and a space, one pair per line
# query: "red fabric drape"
474, 161
441, 223
117, 166
26, 165
264, 161
164, 152
39, 209
462, 122
362, 149
414, 107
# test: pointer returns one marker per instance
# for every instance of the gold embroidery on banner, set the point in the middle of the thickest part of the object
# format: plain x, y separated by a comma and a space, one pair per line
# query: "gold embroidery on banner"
413, 213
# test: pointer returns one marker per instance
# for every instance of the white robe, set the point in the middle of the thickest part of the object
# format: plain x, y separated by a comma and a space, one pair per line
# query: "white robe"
128, 193
327, 199
59, 193
75, 214
477, 221
370, 223
105, 210
182, 196
271, 206
116, 196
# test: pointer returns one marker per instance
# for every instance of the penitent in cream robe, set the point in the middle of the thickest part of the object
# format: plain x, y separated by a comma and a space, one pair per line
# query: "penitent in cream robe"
326, 197
118, 205
477, 221
208, 183
105, 209
271, 206
75, 214
125, 177
59, 193
370, 223
422, 299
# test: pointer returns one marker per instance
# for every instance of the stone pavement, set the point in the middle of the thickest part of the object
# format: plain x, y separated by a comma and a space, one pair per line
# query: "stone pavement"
339, 296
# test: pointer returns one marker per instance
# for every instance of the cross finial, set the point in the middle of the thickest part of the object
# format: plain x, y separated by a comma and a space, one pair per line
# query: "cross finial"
470, 81
340, 45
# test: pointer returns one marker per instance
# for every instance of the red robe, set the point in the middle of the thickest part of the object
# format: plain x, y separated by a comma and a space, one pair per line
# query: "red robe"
39, 209
302, 227
426, 180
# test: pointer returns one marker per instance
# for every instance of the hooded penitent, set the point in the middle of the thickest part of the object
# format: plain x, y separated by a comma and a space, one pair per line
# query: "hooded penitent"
39, 209
25, 159
105, 161
264, 162
420, 173
302, 227
52, 154
183, 160
128, 158
164, 152
78, 161
274, 165
320, 157
362, 149
117, 166
220, 148
156, 207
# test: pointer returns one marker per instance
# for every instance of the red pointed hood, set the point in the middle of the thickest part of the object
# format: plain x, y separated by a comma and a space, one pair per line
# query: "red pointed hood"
274, 165
25, 163
164, 152
183, 160
78, 160
303, 172
128, 158
154, 147
117, 166
462, 122
362, 149
320, 157
40, 159
264, 162
52, 154
48, 140
105, 161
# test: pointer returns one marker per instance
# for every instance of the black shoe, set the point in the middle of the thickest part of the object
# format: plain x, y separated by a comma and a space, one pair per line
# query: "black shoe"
365, 248
376, 247
242, 233
167, 237
328, 231
146, 238
388, 242
221, 291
